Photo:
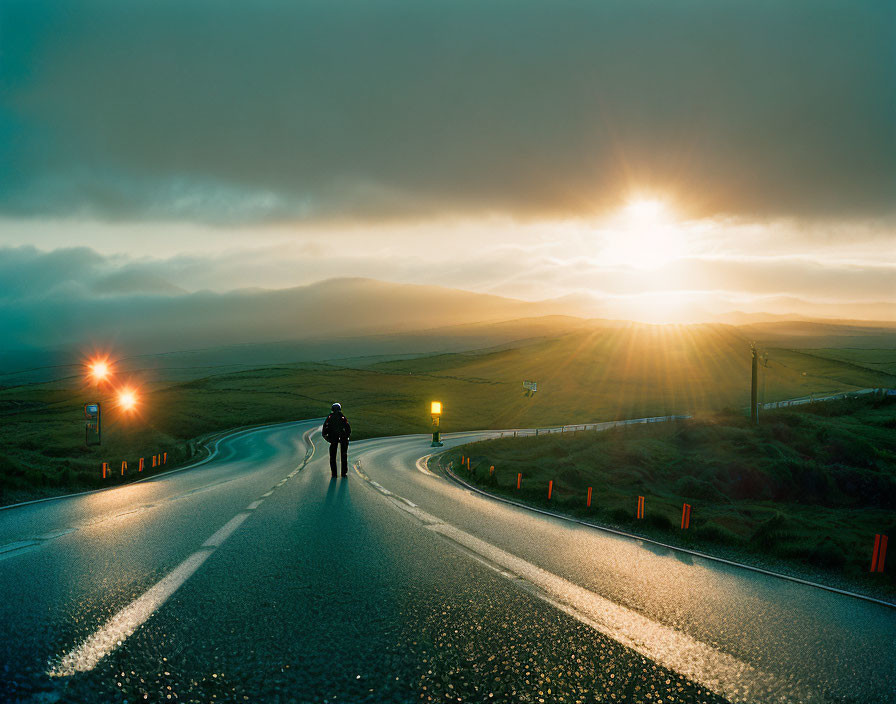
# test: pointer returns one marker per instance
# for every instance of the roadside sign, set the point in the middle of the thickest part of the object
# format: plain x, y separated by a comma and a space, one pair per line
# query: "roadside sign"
93, 430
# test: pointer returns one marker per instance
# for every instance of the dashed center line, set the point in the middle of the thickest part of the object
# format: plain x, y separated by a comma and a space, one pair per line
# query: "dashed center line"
123, 624
223, 533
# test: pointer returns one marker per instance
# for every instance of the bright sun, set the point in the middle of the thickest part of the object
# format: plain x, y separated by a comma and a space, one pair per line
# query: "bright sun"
644, 235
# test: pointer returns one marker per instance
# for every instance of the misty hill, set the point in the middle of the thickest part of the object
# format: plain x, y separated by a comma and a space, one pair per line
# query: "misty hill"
149, 324
354, 321
821, 334
356, 351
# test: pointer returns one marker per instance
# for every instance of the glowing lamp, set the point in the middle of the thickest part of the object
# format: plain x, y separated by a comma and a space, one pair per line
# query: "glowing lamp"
99, 370
436, 412
127, 399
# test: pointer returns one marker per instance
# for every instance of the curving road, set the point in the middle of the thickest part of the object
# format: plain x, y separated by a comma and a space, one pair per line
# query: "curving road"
255, 577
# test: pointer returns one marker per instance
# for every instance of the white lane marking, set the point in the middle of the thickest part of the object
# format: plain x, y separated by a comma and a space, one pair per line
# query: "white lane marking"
380, 488
421, 466
717, 671
56, 534
223, 533
254, 505
17, 545
264, 496
123, 624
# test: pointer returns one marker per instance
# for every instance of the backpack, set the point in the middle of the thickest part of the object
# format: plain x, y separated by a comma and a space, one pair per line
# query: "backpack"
335, 427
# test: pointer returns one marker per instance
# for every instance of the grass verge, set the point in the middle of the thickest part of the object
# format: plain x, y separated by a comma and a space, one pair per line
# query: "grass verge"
806, 491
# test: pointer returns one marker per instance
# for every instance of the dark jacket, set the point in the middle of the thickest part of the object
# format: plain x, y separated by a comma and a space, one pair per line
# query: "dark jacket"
336, 427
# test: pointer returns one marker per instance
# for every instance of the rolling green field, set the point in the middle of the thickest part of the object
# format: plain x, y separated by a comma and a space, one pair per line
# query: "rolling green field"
609, 373
810, 486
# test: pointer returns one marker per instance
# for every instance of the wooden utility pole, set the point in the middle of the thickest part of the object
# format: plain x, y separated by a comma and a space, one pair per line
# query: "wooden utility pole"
754, 386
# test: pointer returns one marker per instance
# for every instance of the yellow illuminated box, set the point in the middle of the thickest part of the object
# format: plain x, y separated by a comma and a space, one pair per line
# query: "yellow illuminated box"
436, 407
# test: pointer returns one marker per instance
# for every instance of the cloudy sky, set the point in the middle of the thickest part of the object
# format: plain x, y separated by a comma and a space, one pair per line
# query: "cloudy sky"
667, 160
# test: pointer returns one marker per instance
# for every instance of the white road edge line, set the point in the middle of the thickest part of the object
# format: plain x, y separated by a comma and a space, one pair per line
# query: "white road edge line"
254, 505
475, 490
717, 671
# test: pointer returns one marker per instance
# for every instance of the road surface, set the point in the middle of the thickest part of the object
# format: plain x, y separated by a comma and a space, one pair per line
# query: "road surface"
255, 577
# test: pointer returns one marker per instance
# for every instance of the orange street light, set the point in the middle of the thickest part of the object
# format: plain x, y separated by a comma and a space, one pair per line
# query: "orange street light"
99, 370
127, 399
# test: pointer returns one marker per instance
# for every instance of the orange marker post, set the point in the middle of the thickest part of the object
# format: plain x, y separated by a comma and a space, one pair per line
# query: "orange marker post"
164, 458
468, 465
124, 467
491, 470
105, 469
550, 489
140, 465
880, 553
640, 513
519, 479
588, 502
685, 516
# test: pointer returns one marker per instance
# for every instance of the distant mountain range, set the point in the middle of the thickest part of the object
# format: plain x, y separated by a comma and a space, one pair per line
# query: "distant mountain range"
347, 319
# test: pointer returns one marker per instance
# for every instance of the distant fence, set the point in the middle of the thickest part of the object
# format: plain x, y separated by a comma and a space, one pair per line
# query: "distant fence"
815, 398
606, 425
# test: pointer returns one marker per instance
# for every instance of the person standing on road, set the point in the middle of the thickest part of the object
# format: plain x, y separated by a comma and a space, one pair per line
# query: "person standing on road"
337, 431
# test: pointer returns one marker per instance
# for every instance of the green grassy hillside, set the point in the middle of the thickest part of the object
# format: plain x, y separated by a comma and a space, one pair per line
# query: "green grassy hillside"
641, 370
811, 485
617, 372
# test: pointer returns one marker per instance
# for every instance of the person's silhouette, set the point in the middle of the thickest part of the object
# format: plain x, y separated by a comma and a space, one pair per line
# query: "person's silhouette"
337, 431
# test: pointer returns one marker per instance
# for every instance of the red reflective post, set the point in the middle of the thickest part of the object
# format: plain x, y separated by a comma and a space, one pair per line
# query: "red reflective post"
588, 503
883, 553
880, 553
550, 488
874, 553
519, 479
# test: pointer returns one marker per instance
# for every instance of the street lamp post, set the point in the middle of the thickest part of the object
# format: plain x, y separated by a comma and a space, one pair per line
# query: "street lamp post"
436, 412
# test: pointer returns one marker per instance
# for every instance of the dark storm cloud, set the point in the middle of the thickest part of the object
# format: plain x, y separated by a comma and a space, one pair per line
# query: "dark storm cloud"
233, 112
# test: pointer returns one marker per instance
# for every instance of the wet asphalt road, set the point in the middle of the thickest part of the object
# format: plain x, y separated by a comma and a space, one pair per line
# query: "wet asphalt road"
394, 585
